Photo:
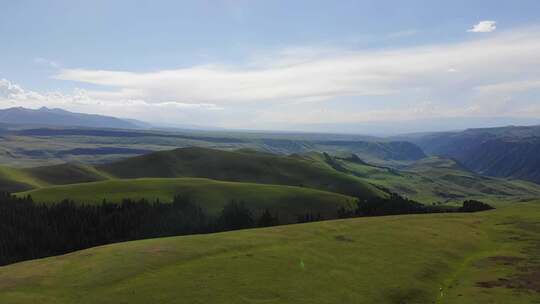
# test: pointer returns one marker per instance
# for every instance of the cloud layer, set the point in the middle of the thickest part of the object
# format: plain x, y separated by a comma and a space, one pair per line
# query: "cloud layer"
13, 95
478, 77
344, 73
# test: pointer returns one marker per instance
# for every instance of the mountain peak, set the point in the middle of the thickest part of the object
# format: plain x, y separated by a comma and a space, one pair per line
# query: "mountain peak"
54, 110
61, 117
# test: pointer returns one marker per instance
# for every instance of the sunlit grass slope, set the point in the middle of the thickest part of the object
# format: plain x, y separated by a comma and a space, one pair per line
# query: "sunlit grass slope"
285, 201
12, 179
442, 258
20, 179
66, 174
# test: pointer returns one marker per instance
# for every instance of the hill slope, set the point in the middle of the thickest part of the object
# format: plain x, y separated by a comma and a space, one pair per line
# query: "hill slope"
15, 180
285, 201
240, 166
440, 180
432, 180
502, 152
429, 180
375, 150
22, 179
442, 258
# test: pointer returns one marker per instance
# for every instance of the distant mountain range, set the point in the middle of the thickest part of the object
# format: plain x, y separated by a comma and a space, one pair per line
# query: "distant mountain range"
503, 152
59, 117
510, 152
394, 128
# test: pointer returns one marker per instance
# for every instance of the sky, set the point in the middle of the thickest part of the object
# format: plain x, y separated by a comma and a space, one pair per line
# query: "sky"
351, 66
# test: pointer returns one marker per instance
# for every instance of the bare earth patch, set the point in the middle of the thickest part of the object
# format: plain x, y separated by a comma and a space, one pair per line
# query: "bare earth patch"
529, 279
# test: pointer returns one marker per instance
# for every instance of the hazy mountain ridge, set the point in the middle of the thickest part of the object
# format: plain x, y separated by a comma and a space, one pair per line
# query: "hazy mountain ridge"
59, 117
394, 150
503, 152
27, 146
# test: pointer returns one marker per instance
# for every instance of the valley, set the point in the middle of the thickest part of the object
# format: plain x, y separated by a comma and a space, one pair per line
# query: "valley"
510, 152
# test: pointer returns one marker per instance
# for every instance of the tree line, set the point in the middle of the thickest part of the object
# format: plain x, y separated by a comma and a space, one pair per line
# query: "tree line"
396, 204
30, 230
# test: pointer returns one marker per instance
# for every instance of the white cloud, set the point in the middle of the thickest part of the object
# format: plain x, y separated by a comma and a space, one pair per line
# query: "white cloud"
486, 26
9, 90
85, 101
460, 79
332, 74
509, 87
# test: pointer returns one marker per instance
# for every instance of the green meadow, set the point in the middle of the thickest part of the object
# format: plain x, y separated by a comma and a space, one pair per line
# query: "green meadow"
486, 257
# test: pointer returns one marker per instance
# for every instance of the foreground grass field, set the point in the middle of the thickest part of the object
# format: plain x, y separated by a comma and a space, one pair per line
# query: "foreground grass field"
488, 257
285, 201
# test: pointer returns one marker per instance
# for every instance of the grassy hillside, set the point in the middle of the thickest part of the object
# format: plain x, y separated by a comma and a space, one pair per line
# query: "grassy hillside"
453, 178
21, 179
12, 179
241, 166
285, 201
431, 180
510, 152
65, 174
441, 258
439, 180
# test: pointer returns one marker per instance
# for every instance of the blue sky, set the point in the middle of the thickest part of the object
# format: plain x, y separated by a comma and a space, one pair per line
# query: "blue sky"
273, 64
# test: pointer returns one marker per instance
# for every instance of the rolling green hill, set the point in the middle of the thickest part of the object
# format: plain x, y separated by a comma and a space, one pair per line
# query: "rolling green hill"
238, 166
285, 201
22, 179
241, 166
435, 179
430, 180
14, 180
65, 174
439, 258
